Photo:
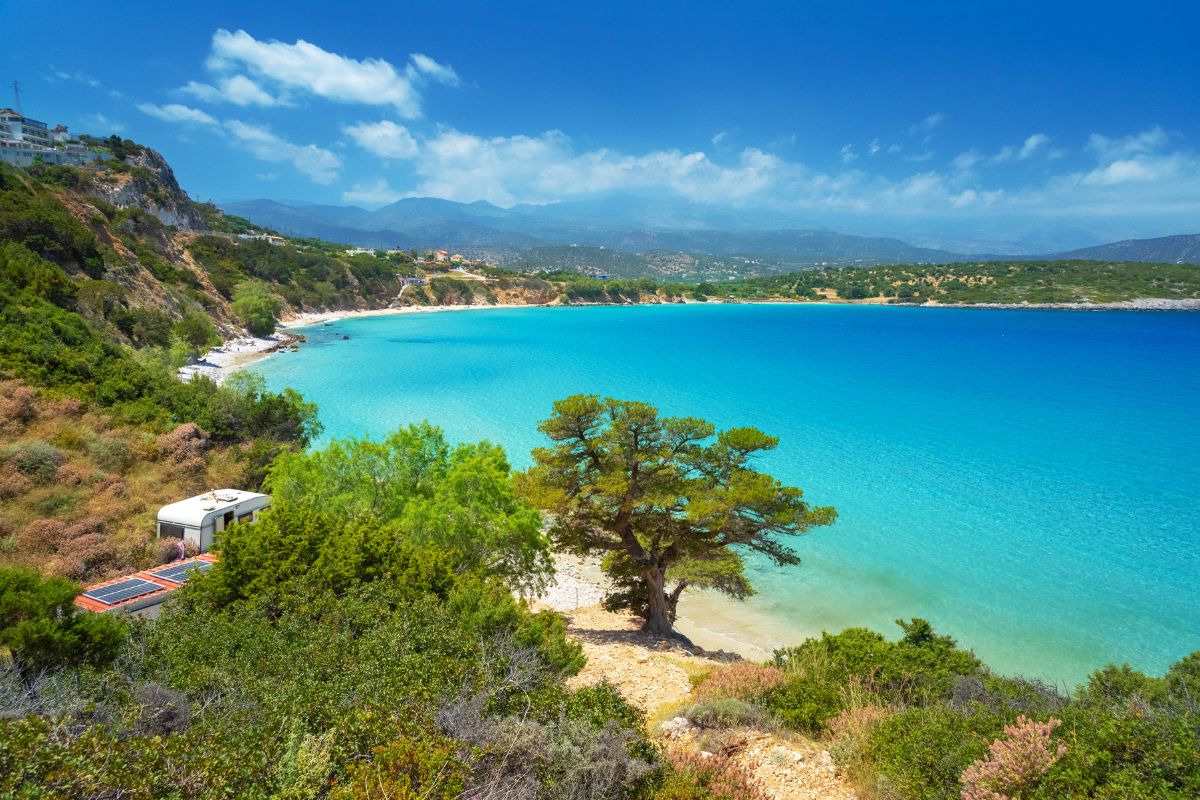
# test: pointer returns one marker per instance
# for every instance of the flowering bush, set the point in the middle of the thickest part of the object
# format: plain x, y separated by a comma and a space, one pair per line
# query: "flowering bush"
741, 681
184, 447
692, 776
1014, 763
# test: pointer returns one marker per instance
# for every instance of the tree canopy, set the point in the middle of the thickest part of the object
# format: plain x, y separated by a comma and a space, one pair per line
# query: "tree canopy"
420, 490
664, 499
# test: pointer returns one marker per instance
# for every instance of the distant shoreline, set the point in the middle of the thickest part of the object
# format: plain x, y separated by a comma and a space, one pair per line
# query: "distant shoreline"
236, 354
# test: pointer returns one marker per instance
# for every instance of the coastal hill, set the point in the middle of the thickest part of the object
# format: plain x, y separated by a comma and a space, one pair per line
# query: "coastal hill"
1184, 249
633, 237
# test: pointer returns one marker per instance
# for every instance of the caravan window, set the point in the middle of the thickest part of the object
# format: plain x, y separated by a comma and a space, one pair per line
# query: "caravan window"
170, 531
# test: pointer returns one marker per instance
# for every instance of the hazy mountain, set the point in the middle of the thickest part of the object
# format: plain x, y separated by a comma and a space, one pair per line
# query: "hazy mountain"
1184, 249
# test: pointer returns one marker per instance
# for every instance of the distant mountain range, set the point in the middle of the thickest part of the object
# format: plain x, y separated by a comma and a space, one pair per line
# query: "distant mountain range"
721, 242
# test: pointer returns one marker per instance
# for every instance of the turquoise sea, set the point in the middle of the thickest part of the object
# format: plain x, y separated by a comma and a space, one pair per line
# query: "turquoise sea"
1028, 481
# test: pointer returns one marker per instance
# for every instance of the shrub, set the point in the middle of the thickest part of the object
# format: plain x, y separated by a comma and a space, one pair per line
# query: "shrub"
407, 769
13, 484
1015, 763
920, 753
742, 680
38, 461
72, 475
805, 704
18, 405
184, 447
692, 776
256, 306
42, 536
111, 453
727, 713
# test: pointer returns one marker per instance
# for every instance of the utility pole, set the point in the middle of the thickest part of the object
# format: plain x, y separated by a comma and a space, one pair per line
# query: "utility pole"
17, 97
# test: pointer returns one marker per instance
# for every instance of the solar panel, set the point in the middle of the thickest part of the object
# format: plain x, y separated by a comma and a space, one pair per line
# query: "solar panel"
122, 590
179, 573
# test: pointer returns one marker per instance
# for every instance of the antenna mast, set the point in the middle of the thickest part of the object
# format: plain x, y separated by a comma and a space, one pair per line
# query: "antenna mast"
17, 97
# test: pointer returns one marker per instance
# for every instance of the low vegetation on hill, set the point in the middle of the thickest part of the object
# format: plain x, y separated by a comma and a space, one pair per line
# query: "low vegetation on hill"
989, 282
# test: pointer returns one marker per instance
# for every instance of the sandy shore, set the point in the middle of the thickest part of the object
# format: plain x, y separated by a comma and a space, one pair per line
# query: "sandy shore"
713, 623
220, 362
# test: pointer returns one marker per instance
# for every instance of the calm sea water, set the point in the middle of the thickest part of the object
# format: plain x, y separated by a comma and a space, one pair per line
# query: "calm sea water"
1028, 481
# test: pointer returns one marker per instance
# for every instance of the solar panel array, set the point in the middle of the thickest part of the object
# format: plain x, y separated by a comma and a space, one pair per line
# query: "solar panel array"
122, 590
179, 573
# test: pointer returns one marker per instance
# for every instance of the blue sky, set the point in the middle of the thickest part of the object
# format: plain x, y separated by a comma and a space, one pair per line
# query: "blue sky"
1069, 122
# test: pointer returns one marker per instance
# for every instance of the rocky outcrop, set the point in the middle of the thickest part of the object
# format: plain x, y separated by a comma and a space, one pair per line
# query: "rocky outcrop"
150, 185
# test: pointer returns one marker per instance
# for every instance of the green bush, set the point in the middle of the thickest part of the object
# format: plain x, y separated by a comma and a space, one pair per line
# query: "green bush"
726, 712
38, 461
806, 703
111, 453
256, 306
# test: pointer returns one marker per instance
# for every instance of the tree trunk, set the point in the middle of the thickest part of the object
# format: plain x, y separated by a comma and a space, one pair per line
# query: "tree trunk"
658, 617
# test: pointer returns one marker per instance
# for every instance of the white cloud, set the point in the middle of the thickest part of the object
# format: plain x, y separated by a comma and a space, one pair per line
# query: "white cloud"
1034, 144
376, 192
720, 137
442, 73
873, 148
304, 67
318, 164
511, 169
385, 139
236, 89
964, 162
1138, 143
267, 176
57, 74
100, 124
848, 154
926, 125
176, 112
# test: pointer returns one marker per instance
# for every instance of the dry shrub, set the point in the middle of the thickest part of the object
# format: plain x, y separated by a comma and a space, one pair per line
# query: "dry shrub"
42, 536
13, 484
1015, 763
856, 723
64, 407
112, 486
97, 422
184, 447
18, 405
83, 558
741, 680
72, 475
719, 774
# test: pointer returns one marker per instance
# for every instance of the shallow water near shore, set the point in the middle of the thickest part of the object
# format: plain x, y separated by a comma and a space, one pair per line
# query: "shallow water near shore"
1028, 481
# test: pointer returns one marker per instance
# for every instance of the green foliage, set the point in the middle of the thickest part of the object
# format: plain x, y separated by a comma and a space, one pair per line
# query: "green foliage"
197, 331
655, 493
727, 712
920, 753
419, 490
256, 306
37, 461
41, 629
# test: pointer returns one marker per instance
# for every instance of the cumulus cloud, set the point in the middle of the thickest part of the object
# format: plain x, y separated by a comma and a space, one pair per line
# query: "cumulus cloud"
304, 68
510, 169
236, 89
376, 192
176, 112
385, 139
318, 164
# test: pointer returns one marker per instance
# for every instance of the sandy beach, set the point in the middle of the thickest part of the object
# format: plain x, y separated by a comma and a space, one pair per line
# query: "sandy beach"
581, 584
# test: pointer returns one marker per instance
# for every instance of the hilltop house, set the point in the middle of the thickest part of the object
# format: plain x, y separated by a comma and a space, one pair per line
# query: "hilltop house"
25, 141
440, 255
199, 519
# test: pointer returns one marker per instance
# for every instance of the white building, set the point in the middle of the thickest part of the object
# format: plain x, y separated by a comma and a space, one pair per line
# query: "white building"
16, 127
199, 519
